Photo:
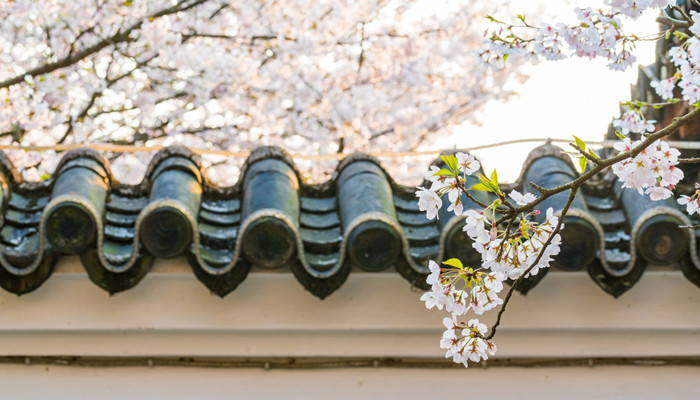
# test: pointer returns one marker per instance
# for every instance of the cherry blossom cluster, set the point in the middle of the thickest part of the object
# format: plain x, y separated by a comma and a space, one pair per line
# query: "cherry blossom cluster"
686, 59
633, 121
507, 252
514, 253
687, 78
446, 181
653, 171
460, 289
465, 341
597, 34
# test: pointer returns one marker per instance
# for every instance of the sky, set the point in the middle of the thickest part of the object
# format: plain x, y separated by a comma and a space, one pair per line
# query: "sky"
560, 99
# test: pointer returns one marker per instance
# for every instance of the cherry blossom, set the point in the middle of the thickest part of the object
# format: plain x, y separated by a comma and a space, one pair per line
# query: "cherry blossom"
632, 121
429, 201
692, 203
521, 199
467, 163
653, 171
664, 88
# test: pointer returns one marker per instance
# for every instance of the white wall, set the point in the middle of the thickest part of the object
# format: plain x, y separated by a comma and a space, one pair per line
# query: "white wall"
171, 314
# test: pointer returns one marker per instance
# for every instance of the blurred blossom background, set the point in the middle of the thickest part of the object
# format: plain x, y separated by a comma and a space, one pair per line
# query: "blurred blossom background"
391, 76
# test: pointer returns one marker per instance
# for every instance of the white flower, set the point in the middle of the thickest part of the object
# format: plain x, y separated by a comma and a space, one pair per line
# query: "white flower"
691, 203
429, 202
468, 164
520, 199
658, 193
476, 326
484, 299
664, 88
435, 297
456, 205
457, 302
695, 28
453, 194
475, 226
431, 174
476, 350
494, 281
434, 276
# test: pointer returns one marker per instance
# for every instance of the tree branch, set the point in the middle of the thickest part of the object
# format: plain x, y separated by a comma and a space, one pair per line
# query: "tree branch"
603, 164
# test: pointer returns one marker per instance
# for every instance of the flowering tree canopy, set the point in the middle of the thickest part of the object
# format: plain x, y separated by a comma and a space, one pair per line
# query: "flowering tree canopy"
335, 77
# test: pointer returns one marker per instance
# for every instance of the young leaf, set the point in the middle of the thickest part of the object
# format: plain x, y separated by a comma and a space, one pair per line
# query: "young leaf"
480, 186
454, 262
582, 161
484, 181
451, 162
580, 143
494, 178
620, 135
444, 172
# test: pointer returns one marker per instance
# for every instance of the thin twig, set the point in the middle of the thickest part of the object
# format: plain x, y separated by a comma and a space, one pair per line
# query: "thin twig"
585, 154
693, 227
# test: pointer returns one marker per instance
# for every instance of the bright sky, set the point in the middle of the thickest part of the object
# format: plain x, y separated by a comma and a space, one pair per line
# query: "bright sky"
564, 98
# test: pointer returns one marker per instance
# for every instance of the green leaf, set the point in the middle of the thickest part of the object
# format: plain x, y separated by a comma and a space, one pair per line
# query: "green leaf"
453, 262
450, 161
593, 154
580, 143
494, 178
444, 172
582, 161
486, 182
620, 135
480, 186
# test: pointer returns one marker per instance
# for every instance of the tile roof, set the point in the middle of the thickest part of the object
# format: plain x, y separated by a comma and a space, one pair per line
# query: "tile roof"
272, 220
